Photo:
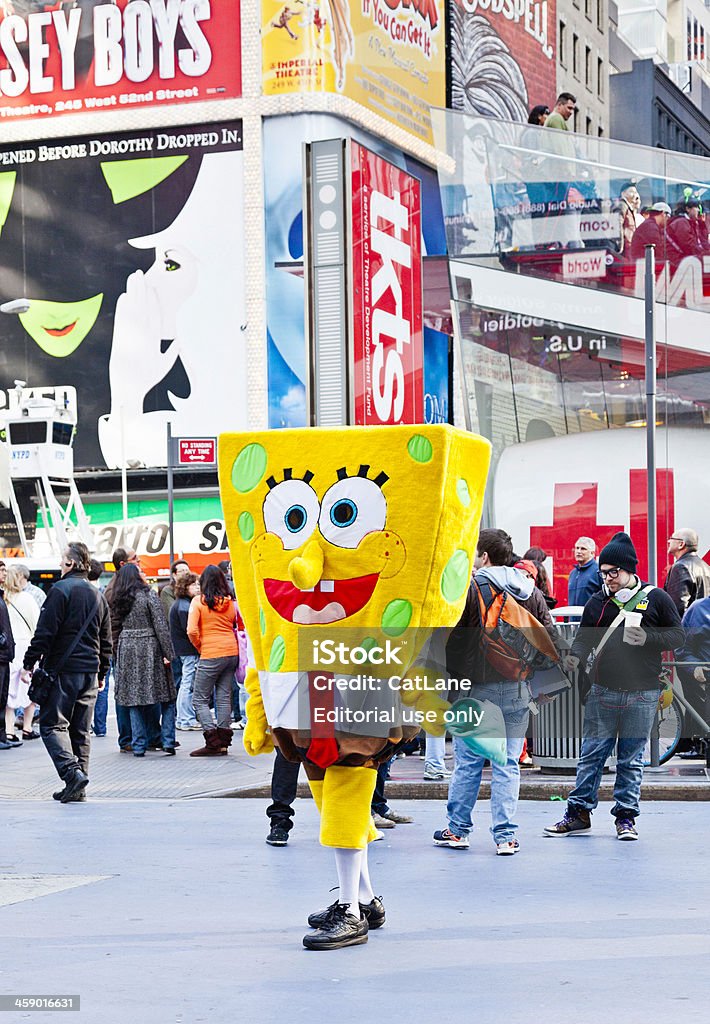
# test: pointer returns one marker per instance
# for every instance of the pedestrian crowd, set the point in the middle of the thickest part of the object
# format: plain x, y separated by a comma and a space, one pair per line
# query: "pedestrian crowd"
676, 232
172, 659
177, 661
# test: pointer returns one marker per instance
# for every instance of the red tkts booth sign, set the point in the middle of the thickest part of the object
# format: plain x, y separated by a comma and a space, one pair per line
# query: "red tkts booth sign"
387, 291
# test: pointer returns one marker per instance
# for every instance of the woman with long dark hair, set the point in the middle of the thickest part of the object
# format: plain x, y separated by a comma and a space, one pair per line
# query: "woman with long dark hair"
210, 627
142, 653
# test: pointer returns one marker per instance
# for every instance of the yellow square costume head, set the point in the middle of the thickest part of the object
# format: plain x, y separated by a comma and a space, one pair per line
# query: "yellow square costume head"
364, 527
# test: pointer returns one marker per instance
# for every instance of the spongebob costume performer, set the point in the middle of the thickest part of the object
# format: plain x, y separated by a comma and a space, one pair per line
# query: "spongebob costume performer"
372, 530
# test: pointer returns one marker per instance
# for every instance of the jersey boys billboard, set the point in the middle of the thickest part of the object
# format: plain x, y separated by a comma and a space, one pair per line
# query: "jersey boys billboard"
136, 292
387, 291
62, 57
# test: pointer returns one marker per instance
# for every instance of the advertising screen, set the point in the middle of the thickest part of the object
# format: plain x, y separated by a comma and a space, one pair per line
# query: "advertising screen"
69, 57
386, 291
136, 293
388, 55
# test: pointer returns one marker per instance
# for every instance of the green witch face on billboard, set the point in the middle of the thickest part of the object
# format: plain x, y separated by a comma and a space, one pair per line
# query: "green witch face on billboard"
133, 269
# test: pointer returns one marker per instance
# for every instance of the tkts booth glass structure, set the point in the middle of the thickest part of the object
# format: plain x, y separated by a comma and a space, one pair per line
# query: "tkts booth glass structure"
548, 296
546, 241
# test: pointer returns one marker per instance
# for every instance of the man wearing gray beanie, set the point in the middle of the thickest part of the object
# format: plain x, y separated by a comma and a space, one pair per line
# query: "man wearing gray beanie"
627, 626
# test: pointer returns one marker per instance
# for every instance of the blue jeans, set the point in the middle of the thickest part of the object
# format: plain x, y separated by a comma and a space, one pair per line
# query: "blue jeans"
614, 717
185, 711
123, 721
143, 723
505, 783
434, 753
101, 708
176, 668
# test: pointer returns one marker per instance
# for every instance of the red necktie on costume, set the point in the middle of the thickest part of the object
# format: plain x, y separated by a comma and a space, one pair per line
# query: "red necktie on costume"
323, 750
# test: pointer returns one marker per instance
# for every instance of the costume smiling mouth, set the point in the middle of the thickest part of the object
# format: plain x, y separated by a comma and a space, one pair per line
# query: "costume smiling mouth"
330, 601
60, 332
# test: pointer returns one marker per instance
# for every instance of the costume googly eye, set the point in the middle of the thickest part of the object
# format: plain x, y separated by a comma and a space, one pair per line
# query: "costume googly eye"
351, 509
291, 512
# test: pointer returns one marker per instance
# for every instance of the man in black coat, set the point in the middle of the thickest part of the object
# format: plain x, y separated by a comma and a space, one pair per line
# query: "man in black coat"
7, 653
626, 685
73, 609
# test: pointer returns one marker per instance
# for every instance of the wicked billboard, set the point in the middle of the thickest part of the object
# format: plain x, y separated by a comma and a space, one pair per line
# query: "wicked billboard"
129, 249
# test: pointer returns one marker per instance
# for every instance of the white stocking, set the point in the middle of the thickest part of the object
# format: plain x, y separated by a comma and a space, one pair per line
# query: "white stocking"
347, 864
365, 893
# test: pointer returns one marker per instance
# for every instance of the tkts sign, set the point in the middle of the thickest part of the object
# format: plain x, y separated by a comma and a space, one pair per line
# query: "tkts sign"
387, 342
78, 55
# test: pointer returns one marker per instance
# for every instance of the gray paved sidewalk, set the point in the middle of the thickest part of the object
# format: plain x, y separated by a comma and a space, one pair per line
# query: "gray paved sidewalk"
193, 919
27, 774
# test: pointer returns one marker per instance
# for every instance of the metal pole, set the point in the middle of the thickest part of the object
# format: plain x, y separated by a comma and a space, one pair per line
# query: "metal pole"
650, 345
171, 520
124, 479
650, 351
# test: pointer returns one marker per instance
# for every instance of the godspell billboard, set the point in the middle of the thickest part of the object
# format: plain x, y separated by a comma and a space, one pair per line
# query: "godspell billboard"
502, 56
129, 248
81, 55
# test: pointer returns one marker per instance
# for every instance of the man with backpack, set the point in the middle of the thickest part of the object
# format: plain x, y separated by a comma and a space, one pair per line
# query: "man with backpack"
627, 624
497, 672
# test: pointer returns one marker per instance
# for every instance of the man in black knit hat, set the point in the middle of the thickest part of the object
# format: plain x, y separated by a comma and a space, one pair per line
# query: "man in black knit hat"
628, 624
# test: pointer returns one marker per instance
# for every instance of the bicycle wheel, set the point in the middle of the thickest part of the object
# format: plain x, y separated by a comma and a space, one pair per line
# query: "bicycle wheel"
670, 728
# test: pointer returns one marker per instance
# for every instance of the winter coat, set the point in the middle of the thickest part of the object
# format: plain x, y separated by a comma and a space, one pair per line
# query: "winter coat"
683, 238
143, 641
211, 630
7, 651
583, 582
622, 666
696, 623
69, 604
177, 618
688, 580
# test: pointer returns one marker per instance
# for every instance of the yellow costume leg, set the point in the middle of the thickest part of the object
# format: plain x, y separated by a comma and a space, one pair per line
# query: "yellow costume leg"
316, 786
346, 821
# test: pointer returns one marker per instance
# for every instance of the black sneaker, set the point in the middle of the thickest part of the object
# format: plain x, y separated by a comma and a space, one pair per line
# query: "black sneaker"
76, 784
374, 912
340, 929
573, 823
277, 837
626, 829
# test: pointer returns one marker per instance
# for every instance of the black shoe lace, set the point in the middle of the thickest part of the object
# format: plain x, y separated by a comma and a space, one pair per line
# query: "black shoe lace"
335, 913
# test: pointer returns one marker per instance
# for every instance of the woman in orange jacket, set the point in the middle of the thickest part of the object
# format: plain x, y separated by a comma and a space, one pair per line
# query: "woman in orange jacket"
210, 626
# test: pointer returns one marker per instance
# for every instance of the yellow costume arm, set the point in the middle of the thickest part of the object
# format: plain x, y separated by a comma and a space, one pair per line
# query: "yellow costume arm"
426, 701
257, 739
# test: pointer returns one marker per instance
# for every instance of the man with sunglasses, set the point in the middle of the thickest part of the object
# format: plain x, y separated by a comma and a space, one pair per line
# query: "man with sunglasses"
625, 677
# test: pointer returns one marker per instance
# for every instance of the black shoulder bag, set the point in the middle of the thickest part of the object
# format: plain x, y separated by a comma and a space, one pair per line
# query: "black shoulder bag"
42, 681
